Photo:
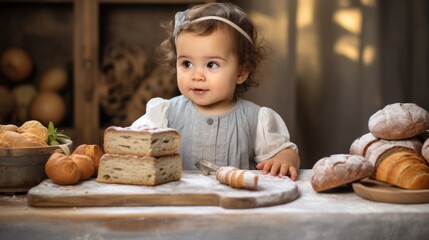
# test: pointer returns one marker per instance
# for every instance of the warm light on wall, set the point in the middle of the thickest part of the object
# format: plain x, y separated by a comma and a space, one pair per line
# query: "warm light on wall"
273, 29
305, 13
368, 55
369, 3
348, 46
349, 19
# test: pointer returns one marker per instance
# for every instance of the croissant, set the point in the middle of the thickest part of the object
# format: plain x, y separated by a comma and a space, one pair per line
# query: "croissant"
404, 169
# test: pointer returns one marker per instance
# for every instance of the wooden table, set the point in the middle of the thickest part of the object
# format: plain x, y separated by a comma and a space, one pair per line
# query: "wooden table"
339, 215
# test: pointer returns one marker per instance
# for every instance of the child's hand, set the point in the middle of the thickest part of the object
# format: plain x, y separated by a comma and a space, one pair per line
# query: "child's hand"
284, 163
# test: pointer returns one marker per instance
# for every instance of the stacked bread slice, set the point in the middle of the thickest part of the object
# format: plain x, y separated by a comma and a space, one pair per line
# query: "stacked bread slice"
141, 156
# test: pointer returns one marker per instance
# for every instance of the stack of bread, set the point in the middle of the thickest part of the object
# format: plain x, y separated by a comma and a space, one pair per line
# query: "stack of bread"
140, 155
30, 134
396, 151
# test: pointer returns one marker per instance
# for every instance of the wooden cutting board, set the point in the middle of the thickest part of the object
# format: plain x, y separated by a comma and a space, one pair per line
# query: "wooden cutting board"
383, 192
193, 189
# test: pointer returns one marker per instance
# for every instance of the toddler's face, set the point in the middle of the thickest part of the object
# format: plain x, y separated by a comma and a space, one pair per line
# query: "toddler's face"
208, 70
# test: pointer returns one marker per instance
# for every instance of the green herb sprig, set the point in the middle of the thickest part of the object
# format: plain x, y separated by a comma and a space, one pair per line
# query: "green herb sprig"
55, 137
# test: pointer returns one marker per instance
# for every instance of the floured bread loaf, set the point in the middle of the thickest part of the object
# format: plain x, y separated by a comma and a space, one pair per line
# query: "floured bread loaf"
142, 141
367, 143
399, 121
139, 170
382, 152
339, 169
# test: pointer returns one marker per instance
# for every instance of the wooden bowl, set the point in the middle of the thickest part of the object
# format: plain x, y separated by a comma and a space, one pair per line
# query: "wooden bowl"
24, 168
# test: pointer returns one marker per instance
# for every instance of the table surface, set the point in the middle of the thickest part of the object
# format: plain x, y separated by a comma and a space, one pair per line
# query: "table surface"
335, 215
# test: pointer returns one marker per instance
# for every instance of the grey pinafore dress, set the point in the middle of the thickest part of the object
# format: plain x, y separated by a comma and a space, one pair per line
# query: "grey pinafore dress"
227, 139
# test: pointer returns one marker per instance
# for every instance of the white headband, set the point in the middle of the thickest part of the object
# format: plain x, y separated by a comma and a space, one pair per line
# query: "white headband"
180, 19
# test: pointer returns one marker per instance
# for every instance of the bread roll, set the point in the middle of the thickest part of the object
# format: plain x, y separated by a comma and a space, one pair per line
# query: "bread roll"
85, 164
68, 170
139, 170
8, 127
404, 169
36, 128
93, 151
62, 170
9, 139
32, 140
399, 121
338, 170
237, 178
143, 141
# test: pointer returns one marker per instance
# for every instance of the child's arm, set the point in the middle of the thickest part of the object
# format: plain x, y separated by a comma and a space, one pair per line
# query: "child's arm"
285, 162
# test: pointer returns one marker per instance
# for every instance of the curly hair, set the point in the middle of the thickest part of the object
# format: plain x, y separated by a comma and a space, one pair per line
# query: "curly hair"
250, 54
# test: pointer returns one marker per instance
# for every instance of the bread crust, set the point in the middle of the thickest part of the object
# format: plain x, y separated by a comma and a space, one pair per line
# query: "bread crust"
93, 151
62, 170
85, 164
425, 150
139, 170
141, 141
404, 169
69, 170
338, 170
399, 121
36, 128
367, 143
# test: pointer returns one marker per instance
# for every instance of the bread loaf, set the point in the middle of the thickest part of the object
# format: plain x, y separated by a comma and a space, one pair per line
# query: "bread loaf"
404, 169
139, 170
399, 121
338, 170
382, 152
93, 151
361, 144
367, 143
237, 178
11, 139
142, 141
425, 150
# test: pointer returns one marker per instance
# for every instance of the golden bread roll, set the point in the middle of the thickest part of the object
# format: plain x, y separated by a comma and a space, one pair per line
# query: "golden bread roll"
85, 164
68, 170
33, 140
62, 170
9, 138
36, 128
8, 127
93, 151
